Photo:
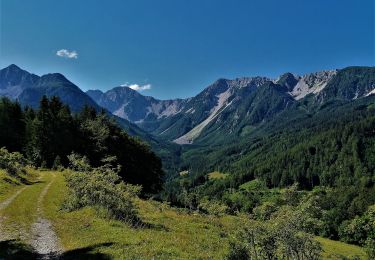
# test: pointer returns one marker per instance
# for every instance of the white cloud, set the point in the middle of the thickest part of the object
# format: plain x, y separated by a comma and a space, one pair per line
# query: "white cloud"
138, 87
67, 54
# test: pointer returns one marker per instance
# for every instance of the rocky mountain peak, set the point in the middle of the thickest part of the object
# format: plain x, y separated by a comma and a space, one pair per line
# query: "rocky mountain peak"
288, 80
311, 83
13, 80
248, 82
13, 68
319, 78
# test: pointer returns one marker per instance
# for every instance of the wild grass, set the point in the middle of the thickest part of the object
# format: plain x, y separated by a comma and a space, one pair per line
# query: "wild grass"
8, 185
339, 250
22, 212
170, 233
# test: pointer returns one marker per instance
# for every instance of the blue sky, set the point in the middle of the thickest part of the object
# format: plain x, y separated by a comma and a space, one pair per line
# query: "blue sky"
178, 47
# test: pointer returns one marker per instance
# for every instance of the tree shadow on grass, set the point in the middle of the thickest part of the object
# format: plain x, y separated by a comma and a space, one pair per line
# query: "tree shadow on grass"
86, 253
15, 250
21, 180
27, 182
158, 227
138, 223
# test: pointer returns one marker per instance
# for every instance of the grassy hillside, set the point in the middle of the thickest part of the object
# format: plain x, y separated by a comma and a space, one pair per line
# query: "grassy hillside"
339, 250
168, 233
7, 184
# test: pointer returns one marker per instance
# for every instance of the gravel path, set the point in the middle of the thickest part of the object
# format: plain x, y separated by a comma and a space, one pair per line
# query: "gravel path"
44, 240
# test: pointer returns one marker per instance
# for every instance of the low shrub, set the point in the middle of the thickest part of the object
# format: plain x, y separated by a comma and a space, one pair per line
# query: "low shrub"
100, 188
13, 163
213, 207
361, 230
279, 238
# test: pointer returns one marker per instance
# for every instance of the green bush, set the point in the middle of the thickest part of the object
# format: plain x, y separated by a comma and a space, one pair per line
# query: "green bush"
213, 207
279, 238
13, 163
102, 189
360, 228
79, 163
238, 251
370, 248
265, 210
293, 240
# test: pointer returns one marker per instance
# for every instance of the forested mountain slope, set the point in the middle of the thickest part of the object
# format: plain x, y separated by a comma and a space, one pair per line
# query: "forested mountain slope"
323, 145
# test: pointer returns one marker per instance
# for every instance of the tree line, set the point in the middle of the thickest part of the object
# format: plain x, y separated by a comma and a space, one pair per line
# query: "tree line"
47, 135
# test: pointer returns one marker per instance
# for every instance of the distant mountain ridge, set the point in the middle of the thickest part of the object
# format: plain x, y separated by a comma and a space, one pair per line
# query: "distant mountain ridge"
221, 123
28, 89
14, 80
243, 102
226, 107
129, 104
300, 86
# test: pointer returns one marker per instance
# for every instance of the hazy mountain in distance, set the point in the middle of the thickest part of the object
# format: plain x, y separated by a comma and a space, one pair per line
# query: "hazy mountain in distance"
28, 89
233, 106
129, 104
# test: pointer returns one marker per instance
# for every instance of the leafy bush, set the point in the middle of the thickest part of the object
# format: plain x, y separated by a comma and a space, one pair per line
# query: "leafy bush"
13, 163
294, 241
213, 207
100, 188
370, 248
361, 230
279, 238
79, 163
238, 251
265, 210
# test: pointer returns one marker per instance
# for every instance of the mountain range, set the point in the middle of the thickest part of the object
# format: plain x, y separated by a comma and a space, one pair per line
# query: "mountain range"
225, 113
28, 89
233, 106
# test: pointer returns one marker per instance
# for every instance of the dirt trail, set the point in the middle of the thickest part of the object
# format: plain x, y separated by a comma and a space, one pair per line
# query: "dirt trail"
44, 240
4, 205
6, 202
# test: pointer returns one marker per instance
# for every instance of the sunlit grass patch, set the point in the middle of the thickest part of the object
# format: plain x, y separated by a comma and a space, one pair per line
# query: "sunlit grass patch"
10, 184
168, 233
337, 250
21, 213
217, 175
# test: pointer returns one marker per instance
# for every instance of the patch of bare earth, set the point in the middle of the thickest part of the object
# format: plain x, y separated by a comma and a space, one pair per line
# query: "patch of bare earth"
44, 240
